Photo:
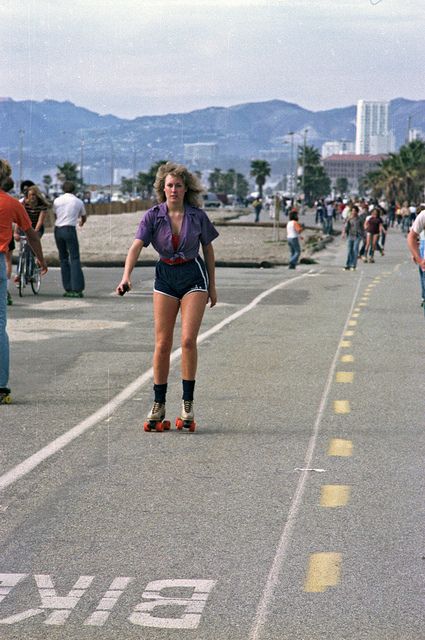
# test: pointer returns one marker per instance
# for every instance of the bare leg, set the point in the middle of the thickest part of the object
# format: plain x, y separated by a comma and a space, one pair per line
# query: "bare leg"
192, 309
165, 311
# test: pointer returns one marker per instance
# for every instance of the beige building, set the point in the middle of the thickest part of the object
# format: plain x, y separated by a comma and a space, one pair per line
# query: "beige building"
351, 166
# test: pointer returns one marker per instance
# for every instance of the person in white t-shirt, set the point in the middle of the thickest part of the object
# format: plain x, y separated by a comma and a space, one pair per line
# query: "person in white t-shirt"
69, 211
416, 244
293, 234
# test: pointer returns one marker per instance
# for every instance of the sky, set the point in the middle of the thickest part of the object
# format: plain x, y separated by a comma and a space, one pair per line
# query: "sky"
150, 57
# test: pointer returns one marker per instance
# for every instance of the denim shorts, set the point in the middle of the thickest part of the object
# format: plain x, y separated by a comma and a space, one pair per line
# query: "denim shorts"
176, 280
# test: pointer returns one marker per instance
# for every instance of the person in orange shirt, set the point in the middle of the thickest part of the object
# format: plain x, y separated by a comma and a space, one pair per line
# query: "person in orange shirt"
11, 211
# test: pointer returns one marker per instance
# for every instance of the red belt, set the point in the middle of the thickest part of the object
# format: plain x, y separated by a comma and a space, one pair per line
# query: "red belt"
175, 261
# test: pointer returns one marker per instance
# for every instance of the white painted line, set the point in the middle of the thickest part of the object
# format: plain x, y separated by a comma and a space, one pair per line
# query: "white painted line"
23, 468
277, 564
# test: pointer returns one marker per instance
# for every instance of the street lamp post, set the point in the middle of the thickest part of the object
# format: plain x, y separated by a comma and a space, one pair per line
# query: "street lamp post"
134, 172
82, 162
111, 185
303, 176
21, 156
291, 171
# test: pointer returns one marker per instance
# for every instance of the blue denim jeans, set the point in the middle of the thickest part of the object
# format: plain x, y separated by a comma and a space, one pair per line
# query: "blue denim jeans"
353, 251
4, 339
294, 246
69, 257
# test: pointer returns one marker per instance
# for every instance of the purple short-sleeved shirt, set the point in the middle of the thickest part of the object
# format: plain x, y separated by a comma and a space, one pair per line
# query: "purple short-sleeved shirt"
155, 228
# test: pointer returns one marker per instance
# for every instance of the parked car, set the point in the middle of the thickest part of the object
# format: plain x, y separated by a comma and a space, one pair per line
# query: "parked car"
211, 201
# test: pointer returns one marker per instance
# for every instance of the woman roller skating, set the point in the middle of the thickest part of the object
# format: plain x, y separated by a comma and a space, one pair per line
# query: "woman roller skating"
176, 227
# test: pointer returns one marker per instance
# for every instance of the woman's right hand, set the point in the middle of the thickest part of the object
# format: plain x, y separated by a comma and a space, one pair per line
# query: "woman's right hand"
123, 287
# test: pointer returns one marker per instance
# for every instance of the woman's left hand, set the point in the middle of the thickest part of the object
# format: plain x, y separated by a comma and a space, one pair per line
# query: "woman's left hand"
212, 296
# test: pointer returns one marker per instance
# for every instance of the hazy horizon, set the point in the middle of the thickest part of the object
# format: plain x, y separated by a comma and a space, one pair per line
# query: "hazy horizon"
134, 59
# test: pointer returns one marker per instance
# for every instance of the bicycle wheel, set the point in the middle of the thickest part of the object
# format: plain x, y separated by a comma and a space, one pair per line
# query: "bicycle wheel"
21, 274
35, 278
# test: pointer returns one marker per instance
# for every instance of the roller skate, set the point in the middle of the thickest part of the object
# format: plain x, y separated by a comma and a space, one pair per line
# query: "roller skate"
5, 397
186, 420
155, 419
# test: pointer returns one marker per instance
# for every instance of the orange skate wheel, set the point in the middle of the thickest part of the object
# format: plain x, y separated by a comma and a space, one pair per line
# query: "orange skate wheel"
192, 427
166, 424
179, 424
159, 426
146, 426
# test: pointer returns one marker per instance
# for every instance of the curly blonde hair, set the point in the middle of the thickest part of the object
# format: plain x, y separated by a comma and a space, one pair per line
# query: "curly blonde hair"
40, 195
5, 169
193, 195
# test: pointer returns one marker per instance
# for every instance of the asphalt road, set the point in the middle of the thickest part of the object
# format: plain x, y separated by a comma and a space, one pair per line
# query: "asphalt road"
295, 512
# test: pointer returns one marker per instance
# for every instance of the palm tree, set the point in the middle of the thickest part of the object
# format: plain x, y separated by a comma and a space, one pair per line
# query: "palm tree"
215, 179
68, 171
400, 176
314, 180
260, 169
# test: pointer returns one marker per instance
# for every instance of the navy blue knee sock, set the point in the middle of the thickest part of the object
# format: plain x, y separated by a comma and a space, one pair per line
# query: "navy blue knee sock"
188, 388
160, 391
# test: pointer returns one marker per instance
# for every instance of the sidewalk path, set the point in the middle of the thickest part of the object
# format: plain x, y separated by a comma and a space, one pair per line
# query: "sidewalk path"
104, 241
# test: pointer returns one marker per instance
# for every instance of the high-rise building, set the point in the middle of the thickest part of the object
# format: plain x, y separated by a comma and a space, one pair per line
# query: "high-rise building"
373, 135
337, 147
201, 154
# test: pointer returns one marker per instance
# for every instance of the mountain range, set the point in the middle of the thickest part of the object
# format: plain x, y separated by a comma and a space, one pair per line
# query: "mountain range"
44, 134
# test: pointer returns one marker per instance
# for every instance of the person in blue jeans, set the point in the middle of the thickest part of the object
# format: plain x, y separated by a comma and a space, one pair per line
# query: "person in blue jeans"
11, 212
354, 232
69, 211
416, 244
293, 234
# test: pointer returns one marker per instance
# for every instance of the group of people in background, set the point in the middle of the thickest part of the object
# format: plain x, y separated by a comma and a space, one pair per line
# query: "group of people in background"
68, 212
365, 225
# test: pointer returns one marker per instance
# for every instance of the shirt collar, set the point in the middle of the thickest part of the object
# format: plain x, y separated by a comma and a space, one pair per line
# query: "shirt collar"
163, 210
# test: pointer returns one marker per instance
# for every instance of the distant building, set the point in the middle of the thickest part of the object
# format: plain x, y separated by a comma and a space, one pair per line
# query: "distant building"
351, 166
415, 134
337, 147
201, 154
273, 155
121, 173
373, 135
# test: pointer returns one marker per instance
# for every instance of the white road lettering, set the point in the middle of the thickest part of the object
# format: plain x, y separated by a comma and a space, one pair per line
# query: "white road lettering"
183, 601
62, 605
108, 602
8, 581
192, 606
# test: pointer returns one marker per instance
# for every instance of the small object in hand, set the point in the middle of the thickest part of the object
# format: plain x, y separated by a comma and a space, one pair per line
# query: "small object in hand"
123, 289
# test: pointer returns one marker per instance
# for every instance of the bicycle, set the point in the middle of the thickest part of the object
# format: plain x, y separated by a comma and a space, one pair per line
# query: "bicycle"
28, 271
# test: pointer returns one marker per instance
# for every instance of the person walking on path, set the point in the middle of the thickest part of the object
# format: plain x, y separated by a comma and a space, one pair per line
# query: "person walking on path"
69, 211
293, 234
416, 244
7, 186
373, 227
353, 230
258, 205
176, 227
11, 211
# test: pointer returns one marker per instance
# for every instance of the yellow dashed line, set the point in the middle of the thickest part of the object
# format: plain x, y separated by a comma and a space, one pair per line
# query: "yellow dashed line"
349, 333
355, 315
324, 570
344, 376
334, 495
352, 323
341, 406
347, 358
340, 448
363, 304
345, 343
